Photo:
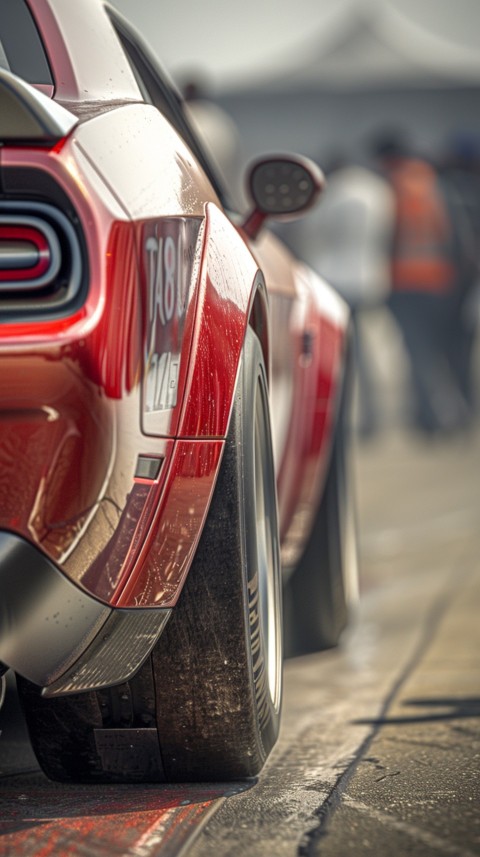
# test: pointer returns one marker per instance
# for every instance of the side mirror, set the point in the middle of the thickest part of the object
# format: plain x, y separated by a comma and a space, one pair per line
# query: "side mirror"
281, 187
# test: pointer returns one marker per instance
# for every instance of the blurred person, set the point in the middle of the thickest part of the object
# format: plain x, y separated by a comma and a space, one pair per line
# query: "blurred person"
347, 240
460, 173
425, 284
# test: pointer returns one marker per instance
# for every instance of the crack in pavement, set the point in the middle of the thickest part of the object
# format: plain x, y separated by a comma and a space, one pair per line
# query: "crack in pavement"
309, 842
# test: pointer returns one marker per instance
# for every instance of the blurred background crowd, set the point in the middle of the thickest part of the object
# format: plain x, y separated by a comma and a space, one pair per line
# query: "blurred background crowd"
400, 236
384, 95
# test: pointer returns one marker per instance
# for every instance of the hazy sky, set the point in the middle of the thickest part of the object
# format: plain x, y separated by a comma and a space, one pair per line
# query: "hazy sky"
238, 43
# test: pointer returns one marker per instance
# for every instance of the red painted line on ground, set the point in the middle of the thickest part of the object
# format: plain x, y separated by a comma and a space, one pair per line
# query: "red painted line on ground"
40, 819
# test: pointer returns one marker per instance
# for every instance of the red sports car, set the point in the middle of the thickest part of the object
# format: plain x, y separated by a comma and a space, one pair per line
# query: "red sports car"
173, 386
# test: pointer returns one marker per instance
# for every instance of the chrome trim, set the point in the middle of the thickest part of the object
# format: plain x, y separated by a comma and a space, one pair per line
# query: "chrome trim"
54, 250
17, 254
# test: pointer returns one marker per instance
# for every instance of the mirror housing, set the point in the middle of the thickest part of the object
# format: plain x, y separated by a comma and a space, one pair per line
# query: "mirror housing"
281, 187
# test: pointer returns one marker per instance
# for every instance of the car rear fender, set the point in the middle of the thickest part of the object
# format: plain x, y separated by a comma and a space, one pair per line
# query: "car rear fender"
229, 292
319, 380
228, 283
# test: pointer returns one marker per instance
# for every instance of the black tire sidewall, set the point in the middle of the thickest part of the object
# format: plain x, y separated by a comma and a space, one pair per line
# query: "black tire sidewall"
213, 720
315, 593
254, 393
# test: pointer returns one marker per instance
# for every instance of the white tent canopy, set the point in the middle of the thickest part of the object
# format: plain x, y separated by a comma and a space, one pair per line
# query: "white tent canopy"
377, 44
343, 43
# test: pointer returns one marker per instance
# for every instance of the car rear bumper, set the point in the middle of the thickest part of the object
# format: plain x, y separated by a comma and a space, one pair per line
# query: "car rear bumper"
60, 637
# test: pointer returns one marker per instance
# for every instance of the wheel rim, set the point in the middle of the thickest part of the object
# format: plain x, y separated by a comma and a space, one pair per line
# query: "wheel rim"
267, 549
349, 558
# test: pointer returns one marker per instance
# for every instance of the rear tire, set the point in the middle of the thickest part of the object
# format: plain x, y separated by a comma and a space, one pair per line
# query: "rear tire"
206, 704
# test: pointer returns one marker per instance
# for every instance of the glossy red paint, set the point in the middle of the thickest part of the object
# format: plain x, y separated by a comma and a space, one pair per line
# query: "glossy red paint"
168, 549
107, 573
226, 289
57, 437
97, 210
59, 380
95, 534
213, 338
319, 361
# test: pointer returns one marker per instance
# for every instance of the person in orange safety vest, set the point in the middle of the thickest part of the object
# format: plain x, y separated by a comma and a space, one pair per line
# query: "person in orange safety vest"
424, 280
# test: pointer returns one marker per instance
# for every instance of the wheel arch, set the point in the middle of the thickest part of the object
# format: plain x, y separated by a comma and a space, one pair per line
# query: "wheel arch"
231, 294
258, 319
231, 298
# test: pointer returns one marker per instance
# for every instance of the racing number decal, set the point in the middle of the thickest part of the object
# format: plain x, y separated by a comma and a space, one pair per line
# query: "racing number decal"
162, 277
164, 299
169, 254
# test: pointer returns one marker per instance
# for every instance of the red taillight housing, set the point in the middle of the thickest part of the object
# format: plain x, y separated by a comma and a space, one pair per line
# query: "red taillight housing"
42, 268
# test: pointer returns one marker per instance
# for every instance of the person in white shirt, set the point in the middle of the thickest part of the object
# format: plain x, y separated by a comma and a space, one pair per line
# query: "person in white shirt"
347, 239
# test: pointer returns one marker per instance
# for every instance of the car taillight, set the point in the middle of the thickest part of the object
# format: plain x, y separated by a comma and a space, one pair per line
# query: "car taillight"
29, 253
41, 269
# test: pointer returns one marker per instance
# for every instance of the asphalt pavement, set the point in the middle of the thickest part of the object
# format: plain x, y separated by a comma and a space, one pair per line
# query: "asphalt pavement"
415, 786
380, 744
